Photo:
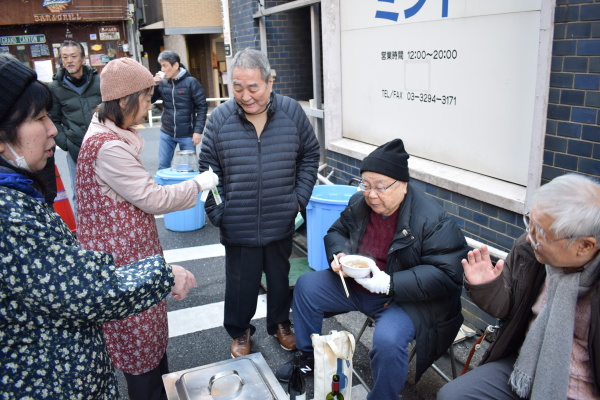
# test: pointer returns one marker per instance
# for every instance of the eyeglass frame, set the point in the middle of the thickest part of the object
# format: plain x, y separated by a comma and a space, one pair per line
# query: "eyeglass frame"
379, 190
532, 241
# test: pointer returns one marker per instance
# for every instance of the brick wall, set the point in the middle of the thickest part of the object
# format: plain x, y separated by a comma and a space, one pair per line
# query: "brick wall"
288, 44
572, 142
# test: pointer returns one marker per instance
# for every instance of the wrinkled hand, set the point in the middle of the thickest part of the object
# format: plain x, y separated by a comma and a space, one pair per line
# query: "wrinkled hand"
208, 180
378, 283
184, 281
479, 268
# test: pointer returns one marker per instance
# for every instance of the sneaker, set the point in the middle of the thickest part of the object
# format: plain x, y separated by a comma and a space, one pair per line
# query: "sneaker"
307, 366
287, 339
241, 346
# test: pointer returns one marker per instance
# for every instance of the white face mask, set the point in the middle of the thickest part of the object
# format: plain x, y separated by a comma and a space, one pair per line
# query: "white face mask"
19, 161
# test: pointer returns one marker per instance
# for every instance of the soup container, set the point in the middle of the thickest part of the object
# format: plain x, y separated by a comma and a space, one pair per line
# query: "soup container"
356, 266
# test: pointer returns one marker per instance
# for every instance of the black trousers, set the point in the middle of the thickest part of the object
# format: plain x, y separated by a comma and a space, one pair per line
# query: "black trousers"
149, 385
243, 272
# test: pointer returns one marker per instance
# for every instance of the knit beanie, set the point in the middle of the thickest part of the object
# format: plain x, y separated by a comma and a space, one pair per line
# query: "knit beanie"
14, 78
389, 159
122, 77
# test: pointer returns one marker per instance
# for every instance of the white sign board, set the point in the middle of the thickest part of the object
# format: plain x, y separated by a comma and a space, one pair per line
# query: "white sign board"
454, 79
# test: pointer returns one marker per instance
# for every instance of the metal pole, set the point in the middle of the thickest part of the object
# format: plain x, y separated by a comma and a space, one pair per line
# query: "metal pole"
315, 36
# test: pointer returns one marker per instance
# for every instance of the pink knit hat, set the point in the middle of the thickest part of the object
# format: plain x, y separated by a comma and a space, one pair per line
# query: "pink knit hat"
122, 77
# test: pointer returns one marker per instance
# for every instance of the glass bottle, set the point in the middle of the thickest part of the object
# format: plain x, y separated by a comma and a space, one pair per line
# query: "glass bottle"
296, 385
335, 389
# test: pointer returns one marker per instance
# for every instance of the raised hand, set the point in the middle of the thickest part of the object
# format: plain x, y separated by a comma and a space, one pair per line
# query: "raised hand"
479, 268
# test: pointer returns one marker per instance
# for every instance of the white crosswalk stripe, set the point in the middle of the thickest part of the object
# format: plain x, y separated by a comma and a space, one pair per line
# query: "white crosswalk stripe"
194, 319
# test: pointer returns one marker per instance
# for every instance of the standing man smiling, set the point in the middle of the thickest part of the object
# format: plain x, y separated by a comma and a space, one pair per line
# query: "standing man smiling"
76, 93
264, 150
184, 108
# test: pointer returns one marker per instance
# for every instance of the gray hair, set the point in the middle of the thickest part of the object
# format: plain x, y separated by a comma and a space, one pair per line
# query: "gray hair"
72, 43
573, 201
169, 56
252, 59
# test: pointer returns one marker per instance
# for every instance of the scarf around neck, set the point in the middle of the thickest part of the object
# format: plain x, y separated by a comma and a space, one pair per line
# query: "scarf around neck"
78, 82
542, 369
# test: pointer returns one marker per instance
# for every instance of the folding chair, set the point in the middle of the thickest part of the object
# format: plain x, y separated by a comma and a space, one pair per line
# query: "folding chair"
463, 334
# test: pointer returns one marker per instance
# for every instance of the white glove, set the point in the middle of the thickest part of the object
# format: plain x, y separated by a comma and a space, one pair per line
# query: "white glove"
208, 180
379, 283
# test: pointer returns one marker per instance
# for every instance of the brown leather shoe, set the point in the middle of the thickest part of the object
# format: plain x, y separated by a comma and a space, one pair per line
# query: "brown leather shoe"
287, 339
241, 346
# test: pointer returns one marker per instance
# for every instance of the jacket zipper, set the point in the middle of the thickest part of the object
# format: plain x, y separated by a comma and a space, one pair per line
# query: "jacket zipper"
174, 109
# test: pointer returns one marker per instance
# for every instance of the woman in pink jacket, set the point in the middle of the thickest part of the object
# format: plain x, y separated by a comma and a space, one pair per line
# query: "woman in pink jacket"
117, 199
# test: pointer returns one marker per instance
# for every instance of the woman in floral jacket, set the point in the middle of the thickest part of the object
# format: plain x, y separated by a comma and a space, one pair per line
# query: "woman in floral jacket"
54, 296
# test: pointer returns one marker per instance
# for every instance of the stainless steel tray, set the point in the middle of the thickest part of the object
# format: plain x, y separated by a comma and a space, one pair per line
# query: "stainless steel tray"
241, 378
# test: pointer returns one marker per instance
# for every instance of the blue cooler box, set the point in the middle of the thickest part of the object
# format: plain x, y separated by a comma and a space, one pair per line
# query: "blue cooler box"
186, 220
324, 208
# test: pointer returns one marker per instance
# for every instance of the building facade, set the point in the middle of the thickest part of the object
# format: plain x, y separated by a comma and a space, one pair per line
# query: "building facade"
488, 210
191, 28
33, 31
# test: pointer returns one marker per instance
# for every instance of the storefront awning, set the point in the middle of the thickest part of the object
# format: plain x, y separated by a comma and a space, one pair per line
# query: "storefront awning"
156, 25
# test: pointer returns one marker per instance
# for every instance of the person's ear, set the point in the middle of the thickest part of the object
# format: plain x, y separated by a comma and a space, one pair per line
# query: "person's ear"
586, 245
176, 66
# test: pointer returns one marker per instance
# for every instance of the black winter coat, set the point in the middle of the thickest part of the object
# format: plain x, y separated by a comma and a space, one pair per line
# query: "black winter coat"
424, 264
72, 112
261, 180
184, 106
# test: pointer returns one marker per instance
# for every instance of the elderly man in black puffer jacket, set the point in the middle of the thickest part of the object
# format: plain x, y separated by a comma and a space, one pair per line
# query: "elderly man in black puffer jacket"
265, 152
415, 288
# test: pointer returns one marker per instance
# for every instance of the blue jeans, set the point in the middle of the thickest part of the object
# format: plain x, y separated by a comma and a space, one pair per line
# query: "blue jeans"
166, 148
320, 291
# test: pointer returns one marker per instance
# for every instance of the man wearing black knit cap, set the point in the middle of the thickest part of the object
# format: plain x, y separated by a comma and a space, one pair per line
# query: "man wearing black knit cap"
414, 291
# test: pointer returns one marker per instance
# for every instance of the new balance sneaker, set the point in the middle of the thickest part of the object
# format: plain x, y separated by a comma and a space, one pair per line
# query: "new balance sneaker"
307, 366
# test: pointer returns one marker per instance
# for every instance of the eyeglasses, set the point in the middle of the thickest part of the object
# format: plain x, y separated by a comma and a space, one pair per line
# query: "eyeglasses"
377, 189
534, 229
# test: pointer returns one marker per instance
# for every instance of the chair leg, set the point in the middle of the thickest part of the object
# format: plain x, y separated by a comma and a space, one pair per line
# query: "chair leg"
368, 322
452, 361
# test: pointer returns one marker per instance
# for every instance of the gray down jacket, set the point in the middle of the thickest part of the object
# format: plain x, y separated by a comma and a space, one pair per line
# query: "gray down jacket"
261, 180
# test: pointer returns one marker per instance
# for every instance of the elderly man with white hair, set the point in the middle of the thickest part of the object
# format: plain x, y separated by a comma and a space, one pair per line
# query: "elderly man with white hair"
547, 297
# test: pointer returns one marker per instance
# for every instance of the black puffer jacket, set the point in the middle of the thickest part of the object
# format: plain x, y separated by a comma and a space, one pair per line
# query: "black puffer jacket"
261, 180
424, 262
72, 112
184, 105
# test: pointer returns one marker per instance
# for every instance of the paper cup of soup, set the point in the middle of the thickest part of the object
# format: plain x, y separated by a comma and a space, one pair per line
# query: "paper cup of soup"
356, 266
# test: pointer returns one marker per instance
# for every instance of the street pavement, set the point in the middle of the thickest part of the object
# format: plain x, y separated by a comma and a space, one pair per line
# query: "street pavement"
197, 336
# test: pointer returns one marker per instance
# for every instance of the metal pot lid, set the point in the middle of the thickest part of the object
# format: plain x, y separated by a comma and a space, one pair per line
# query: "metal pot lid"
238, 379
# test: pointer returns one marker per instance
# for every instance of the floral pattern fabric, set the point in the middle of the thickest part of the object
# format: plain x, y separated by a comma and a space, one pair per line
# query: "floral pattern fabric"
54, 296
136, 344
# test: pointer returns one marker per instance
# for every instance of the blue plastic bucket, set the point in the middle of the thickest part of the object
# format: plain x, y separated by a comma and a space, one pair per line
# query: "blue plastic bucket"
185, 220
324, 208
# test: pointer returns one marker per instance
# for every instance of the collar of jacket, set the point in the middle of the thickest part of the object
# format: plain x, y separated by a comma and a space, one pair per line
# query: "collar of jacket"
58, 76
240, 111
178, 78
